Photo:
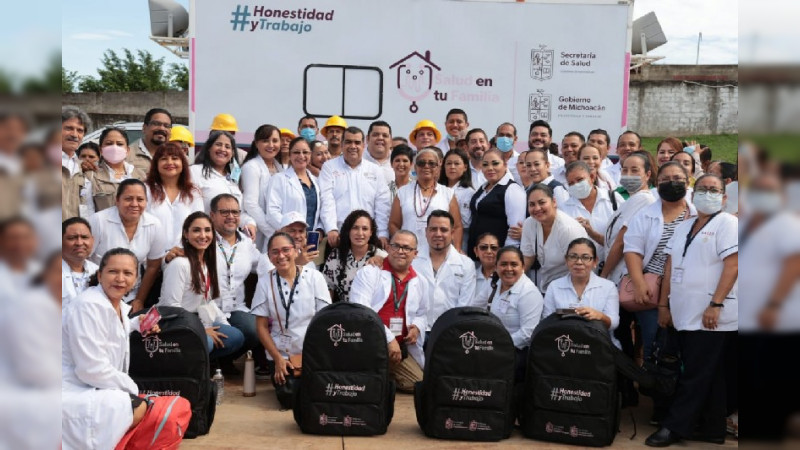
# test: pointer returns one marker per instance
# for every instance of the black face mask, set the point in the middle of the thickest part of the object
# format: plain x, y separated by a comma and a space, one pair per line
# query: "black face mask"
672, 191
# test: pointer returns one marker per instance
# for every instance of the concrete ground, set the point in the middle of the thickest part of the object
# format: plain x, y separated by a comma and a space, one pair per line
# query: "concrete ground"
256, 422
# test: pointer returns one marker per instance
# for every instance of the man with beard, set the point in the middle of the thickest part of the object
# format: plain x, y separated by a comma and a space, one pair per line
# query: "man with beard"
477, 145
379, 147
540, 135
450, 275
334, 133
570, 146
155, 131
74, 125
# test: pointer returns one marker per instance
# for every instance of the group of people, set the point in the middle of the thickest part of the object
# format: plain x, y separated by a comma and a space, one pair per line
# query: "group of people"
410, 228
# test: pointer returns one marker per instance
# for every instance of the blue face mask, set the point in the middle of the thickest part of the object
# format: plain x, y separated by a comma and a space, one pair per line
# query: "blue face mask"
308, 134
690, 149
505, 144
236, 171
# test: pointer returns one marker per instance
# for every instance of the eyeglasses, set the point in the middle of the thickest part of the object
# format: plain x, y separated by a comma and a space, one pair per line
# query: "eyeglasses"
487, 247
230, 212
701, 190
426, 163
676, 179
279, 251
494, 163
156, 123
401, 248
574, 257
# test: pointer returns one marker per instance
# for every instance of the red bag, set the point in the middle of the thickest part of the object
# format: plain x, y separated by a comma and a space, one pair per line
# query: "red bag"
626, 288
162, 427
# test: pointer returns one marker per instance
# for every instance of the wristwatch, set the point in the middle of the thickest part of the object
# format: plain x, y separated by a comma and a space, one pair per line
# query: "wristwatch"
716, 305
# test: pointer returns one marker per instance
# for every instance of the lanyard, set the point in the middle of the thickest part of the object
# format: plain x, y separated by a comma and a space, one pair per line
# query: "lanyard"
229, 261
287, 306
690, 237
207, 286
397, 302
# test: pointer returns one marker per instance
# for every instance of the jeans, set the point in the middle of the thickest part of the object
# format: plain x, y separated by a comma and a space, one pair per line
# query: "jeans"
232, 343
648, 323
246, 323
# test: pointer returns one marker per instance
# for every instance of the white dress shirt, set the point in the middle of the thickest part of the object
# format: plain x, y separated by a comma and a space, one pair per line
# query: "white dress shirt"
416, 209
388, 171
600, 216
555, 161
614, 171
624, 214
172, 214
73, 283
216, 184
451, 286
551, 252
696, 275
560, 193
285, 193
71, 163
463, 197
243, 258
95, 354
372, 287
560, 174
255, 181
477, 175
599, 294
148, 241
345, 189
483, 288
176, 289
310, 296
515, 204
519, 309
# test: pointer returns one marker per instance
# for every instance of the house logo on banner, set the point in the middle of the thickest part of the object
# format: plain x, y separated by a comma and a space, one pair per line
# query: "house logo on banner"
414, 77
542, 63
540, 106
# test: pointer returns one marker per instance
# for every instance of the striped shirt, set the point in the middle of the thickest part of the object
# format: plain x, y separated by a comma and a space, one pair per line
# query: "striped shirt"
659, 259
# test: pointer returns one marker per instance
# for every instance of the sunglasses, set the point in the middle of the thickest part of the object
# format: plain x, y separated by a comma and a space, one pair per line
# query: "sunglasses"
487, 247
427, 163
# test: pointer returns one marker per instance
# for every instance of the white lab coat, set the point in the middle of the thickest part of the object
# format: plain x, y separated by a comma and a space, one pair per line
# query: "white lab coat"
72, 283
372, 287
645, 230
173, 214
599, 294
624, 214
310, 296
344, 189
451, 286
285, 193
255, 179
95, 354
231, 281
519, 309
216, 184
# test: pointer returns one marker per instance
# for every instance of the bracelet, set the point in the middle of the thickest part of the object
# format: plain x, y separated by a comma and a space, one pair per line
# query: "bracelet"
716, 305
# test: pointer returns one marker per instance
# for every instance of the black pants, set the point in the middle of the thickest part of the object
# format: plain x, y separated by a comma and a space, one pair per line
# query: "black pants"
520, 361
699, 405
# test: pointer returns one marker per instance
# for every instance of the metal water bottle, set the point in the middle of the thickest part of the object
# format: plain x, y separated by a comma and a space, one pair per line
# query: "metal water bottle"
249, 389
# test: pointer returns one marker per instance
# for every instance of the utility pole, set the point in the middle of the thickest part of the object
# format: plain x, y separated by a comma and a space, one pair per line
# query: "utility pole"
699, 38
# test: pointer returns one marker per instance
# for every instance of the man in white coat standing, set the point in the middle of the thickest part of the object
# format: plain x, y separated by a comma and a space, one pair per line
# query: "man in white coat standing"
399, 297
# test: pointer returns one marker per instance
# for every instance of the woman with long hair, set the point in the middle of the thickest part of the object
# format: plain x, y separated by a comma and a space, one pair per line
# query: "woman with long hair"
359, 242
258, 168
296, 189
190, 282
101, 184
457, 176
593, 158
171, 195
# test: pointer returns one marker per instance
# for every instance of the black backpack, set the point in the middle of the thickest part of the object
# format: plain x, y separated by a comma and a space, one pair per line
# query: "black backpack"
467, 391
570, 394
345, 388
175, 362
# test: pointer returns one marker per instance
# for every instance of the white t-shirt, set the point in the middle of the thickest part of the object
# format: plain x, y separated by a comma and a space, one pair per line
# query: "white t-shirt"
550, 253
416, 208
172, 214
696, 275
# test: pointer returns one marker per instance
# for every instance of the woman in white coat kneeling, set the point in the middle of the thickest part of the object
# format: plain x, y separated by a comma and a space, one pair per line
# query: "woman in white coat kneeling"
99, 400
398, 295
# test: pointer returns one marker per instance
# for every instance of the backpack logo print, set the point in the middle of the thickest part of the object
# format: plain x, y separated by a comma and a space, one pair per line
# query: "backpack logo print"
151, 344
336, 333
564, 343
468, 341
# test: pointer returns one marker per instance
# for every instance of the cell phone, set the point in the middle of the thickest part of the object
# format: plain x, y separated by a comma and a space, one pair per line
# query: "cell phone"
313, 240
149, 320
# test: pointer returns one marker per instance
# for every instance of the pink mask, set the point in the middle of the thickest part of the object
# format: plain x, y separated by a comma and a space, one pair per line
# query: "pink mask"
114, 154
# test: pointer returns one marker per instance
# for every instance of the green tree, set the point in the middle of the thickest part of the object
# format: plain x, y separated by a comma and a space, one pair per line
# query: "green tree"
48, 82
178, 77
6, 82
127, 73
69, 81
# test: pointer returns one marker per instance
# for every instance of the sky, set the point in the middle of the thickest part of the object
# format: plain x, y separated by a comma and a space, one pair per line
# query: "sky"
89, 27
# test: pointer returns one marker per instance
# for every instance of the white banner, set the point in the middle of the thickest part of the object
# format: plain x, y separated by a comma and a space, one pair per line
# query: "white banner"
404, 61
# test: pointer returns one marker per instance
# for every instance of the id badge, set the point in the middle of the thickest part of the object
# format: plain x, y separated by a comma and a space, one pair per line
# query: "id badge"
502, 306
422, 224
284, 342
677, 275
396, 325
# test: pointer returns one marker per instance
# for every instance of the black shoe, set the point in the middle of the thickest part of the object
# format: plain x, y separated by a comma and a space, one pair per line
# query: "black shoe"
702, 437
662, 438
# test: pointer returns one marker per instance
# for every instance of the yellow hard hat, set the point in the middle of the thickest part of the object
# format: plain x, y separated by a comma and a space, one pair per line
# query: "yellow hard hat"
334, 121
182, 134
425, 124
287, 132
224, 122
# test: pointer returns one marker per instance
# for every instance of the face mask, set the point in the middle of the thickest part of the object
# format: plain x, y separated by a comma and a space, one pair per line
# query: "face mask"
505, 144
672, 191
236, 171
580, 190
708, 203
631, 183
764, 202
114, 154
308, 134
689, 149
